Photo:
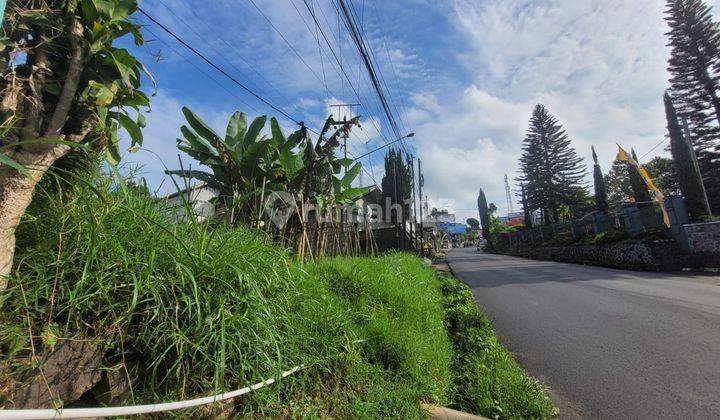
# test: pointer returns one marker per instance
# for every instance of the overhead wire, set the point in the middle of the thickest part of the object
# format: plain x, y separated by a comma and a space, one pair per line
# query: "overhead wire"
340, 68
294, 50
230, 46
362, 49
403, 105
363, 36
237, 82
218, 68
376, 109
199, 69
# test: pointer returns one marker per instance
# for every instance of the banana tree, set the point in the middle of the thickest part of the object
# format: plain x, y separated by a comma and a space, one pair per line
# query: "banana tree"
321, 181
240, 161
245, 163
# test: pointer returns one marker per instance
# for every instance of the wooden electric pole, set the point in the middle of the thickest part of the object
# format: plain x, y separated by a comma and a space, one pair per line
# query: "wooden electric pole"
421, 182
345, 135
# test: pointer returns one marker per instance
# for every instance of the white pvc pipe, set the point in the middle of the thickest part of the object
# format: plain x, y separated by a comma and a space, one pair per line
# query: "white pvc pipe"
74, 413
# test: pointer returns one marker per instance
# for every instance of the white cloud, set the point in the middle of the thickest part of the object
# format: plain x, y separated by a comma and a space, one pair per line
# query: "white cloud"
598, 66
159, 148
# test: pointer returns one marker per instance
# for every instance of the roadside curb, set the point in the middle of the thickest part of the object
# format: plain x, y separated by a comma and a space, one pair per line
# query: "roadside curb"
443, 413
440, 265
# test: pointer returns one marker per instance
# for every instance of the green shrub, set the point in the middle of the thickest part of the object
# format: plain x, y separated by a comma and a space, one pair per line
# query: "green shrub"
608, 237
560, 239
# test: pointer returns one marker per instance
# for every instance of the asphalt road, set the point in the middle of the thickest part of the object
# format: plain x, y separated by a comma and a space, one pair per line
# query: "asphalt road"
608, 343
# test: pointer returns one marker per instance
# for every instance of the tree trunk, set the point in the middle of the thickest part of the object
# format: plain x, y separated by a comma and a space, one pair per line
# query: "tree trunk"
16, 191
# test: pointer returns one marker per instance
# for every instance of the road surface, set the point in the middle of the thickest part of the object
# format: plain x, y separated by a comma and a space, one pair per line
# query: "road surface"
608, 343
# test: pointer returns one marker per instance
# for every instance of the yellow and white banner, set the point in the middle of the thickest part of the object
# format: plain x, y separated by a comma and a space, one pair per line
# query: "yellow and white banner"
623, 156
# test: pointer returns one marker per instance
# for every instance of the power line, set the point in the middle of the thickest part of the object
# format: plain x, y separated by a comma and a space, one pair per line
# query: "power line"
363, 35
239, 54
216, 67
376, 110
223, 72
664, 141
403, 106
198, 68
366, 41
340, 68
288, 43
362, 49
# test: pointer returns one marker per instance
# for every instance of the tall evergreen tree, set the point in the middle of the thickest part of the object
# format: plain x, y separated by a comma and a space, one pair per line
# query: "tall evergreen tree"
549, 167
663, 172
638, 184
694, 66
484, 212
688, 175
397, 182
617, 185
601, 201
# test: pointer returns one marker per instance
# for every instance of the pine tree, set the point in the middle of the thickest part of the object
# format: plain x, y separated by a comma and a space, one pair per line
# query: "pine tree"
617, 182
688, 175
694, 66
601, 201
550, 168
638, 184
484, 212
663, 172
617, 185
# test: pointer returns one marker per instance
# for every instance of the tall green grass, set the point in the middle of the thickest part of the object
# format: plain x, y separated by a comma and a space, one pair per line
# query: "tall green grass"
202, 307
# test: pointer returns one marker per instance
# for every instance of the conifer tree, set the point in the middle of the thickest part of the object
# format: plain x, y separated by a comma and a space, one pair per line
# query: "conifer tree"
638, 184
484, 212
601, 202
694, 66
663, 172
688, 175
617, 185
550, 168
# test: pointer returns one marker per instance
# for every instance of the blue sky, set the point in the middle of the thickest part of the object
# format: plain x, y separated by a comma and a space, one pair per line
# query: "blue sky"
464, 75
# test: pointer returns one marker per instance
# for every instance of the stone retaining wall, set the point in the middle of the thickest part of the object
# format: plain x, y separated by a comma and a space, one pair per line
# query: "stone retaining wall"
654, 256
703, 238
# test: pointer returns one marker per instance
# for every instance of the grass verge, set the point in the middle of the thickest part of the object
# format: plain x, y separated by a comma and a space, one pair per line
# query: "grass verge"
201, 308
487, 380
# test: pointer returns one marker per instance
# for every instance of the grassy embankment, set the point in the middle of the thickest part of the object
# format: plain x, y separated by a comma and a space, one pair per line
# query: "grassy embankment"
202, 307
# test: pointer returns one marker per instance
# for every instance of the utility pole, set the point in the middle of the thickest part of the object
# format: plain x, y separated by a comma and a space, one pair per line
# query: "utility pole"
396, 199
413, 227
509, 198
421, 182
345, 134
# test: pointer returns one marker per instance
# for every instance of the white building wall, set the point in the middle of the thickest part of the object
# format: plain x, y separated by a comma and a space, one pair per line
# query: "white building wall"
198, 197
